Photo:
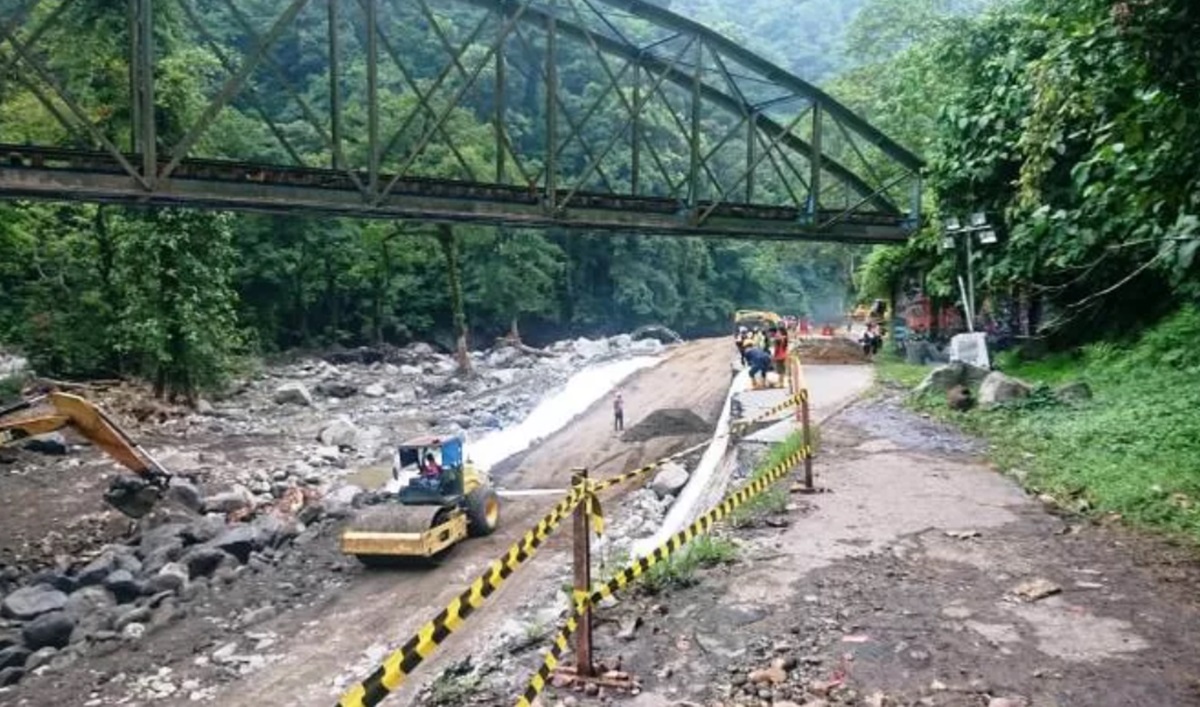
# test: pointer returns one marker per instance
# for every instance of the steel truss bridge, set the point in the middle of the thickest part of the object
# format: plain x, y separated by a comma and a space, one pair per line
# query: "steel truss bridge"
575, 114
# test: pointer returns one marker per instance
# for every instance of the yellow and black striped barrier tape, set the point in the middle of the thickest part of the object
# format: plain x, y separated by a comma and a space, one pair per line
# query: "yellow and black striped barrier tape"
790, 402
400, 663
639, 567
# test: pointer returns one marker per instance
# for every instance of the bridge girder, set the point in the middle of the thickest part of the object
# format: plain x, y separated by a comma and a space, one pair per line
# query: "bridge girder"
768, 155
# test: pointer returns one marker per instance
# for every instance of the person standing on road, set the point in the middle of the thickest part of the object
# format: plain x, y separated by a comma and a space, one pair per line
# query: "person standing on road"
619, 413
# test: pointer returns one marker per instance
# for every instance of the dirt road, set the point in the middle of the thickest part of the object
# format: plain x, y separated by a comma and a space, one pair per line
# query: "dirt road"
386, 607
922, 578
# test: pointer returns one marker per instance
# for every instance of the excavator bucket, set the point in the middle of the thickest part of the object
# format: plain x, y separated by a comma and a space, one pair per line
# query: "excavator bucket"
392, 530
131, 495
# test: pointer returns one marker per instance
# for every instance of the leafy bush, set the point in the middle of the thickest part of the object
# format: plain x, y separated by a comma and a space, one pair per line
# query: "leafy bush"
679, 570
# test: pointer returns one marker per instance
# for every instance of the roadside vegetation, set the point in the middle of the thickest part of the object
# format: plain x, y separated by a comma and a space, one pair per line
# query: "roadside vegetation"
1133, 450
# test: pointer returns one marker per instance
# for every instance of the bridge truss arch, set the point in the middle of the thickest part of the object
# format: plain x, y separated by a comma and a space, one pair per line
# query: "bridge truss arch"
580, 114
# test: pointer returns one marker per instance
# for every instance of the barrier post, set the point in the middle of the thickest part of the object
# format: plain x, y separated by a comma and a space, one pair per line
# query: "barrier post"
583, 580
806, 431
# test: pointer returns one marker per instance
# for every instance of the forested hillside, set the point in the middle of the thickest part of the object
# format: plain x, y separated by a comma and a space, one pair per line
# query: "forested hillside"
176, 296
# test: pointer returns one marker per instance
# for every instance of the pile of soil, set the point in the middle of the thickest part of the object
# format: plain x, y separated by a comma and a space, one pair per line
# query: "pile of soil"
833, 351
668, 422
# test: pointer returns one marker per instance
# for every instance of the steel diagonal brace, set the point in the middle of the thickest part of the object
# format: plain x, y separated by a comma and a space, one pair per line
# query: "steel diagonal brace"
433, 87
745, 175
232, 85
576, 126
22, 51
309, 114
505, 30
613, 79
219, 53
38, 93
618, 134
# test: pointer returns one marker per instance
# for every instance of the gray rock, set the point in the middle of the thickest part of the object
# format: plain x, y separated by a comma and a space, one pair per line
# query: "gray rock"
203, 560
233, 500
33, 601
138, 614
340, 433
51, 443
375, 390
186, 495
293, 394
421, 349
40, 657
52, 629
161, 556
11, 676
339, 503
336, 389
203, 407
13, 656
998, 388
411, 371
89, 604
173, 577
1077, 391
238, 540
133, 631
943, 378
96, 571
59, 580
273, 531
160, 536
669, 479
123, 586
647, 347
203, 530
590, 349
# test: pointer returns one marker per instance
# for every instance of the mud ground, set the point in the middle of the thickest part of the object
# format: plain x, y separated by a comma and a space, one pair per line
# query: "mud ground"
903, 585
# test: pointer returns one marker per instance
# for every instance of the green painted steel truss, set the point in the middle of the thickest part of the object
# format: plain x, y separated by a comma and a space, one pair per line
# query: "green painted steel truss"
582, 114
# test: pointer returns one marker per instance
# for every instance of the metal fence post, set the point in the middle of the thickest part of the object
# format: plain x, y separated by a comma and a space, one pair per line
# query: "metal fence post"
806, 423
583, 579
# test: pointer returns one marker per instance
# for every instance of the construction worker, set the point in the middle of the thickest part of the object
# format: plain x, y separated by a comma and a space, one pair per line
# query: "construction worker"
619, 413
779, 353
760, 364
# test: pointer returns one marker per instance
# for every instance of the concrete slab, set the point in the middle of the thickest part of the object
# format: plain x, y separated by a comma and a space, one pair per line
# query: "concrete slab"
829, 388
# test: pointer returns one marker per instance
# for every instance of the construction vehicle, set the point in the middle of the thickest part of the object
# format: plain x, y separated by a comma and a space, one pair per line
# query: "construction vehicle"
752, 319
876, 312
433, 510
134, 496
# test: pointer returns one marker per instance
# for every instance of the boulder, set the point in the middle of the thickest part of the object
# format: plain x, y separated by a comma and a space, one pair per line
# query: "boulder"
11, 676
173, 577
186, 495
13, 656
340, 433
336, 389
647, 347
621, 341
59, 580
375, 390
40, 657
998, 388
236, 499
51, 443
203, 407
203, 530
166, 535
123, 586
273, 531
90, 605
202, 561
238, 540
1077, 391
941, 379
339, 503
410, 371
590, 349
52, 629
293, 394
33, 601
671, 477
138, 614
421, 349
502, 357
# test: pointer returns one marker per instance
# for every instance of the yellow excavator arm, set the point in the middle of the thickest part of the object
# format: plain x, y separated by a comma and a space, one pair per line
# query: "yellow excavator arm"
54, 411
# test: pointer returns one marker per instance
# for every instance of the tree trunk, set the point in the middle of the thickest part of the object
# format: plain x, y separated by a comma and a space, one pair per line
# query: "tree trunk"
458, 311
514, 333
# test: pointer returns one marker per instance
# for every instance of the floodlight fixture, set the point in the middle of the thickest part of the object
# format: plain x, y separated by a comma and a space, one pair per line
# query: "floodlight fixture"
951, 223
987, 237
947, 243
979, 219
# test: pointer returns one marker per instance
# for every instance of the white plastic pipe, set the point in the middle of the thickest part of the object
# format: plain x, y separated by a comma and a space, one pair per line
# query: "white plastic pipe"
684, 508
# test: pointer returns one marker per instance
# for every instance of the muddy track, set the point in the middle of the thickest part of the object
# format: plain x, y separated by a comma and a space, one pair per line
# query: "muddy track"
387, 606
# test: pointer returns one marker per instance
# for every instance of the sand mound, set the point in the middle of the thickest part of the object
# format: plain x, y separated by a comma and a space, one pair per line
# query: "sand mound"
669, 422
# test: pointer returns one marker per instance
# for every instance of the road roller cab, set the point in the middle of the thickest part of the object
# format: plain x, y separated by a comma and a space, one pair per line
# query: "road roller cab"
443, 500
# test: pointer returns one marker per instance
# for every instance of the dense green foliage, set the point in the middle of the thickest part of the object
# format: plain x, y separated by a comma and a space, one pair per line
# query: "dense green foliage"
175, 297
1072, 125
1133, 450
